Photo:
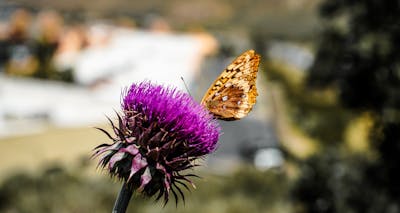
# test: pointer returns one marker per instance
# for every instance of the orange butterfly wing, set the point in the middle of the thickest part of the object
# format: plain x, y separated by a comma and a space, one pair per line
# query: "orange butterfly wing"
234, 92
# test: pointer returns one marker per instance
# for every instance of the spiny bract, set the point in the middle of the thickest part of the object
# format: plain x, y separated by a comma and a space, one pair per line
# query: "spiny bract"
160, 133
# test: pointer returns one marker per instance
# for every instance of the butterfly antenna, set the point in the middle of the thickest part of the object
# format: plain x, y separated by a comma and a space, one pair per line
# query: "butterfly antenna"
187, 88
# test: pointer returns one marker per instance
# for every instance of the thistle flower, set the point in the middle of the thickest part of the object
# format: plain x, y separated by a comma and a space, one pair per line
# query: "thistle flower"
160, 133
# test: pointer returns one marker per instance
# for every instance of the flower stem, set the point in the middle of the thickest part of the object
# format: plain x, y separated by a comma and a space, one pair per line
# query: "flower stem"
124, 196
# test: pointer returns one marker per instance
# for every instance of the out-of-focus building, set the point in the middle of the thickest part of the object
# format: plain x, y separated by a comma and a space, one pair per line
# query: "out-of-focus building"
20, 60
49, 26
103, 62
290, 54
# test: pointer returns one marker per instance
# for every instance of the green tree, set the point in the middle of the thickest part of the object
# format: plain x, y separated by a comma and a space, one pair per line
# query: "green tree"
358, 56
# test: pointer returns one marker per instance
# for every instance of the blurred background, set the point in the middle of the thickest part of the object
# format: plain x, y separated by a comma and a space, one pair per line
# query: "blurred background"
324, 135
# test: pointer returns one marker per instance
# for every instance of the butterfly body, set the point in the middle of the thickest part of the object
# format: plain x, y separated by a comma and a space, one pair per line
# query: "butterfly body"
234, 92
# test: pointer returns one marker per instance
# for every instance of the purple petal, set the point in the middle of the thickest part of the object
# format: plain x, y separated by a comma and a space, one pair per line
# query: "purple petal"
130, 139
138, 162
115, 158
176, 112
132, 149
145, 179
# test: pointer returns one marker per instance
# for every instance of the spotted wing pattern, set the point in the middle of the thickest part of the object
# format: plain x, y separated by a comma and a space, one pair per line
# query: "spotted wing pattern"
234, 92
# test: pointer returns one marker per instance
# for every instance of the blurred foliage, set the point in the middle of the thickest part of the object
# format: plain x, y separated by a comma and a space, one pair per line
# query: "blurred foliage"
357, 57
316, 112
333, 182
55, 190
358, 53
60, 190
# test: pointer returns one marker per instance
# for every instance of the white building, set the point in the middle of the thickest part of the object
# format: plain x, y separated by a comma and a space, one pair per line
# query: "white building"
102, 72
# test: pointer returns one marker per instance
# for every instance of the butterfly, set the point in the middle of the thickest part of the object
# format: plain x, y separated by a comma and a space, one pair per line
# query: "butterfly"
233, 94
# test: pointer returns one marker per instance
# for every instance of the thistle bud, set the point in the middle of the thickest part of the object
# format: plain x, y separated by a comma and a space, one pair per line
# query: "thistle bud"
159, 135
